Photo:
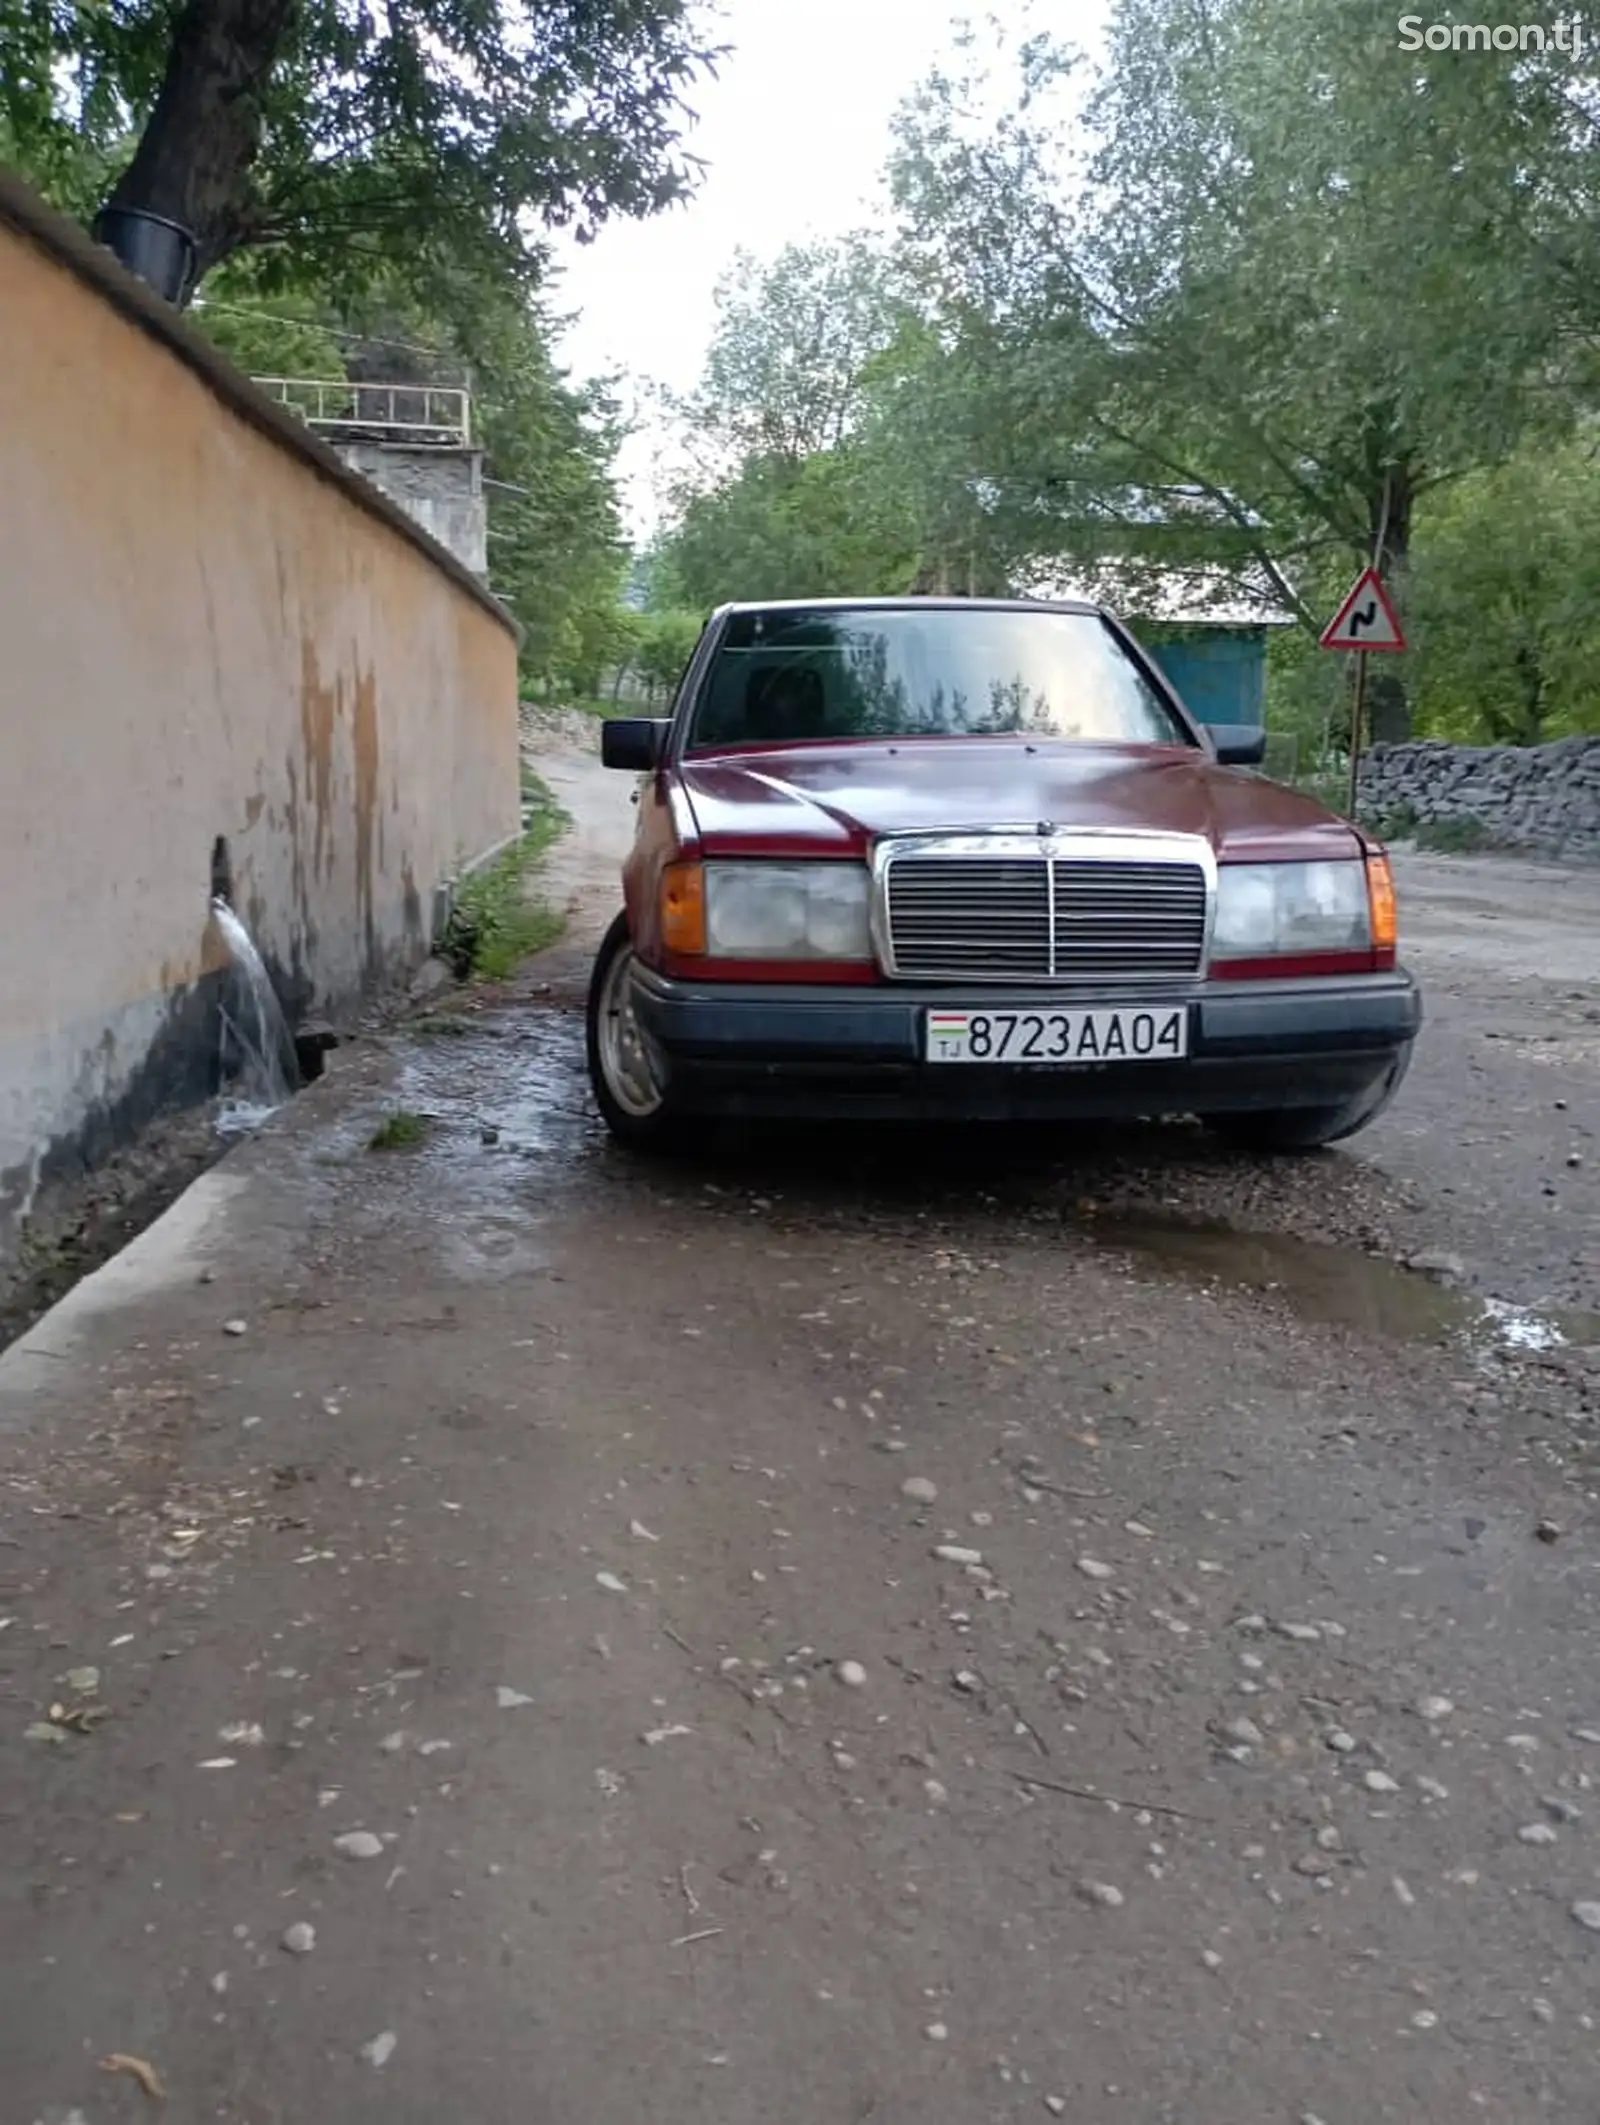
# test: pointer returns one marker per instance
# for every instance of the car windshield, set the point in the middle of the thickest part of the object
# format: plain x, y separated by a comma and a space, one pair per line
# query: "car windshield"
885, 672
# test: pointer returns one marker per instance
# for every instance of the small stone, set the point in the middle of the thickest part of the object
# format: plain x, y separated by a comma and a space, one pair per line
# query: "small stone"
381, 2049
1313, 1863
1340, 1742
936, 1792
953, 1553
1587, 1734
1524, 1744
219, 1984
1092, 1568
508, 1699
611, 1583
919, 1490
1536, 1833
392, 1744
1329, 1839
967, 1682
359, 1844
1542, 2010
1211, 1959
640, 1532
1547, 1531
1403, 1890
1431, 1789
1433, 1709
1104, 1895
852, 1674
1380, 1782
1301, 1633
236, 1328
1588, 1916
936, 2033
47, 1731
82, 1681
1056, 2105
300, 1938
1245, 1732
1424, 2018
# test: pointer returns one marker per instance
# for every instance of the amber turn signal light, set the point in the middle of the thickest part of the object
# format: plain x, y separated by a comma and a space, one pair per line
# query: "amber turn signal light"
1381, 903
683, 909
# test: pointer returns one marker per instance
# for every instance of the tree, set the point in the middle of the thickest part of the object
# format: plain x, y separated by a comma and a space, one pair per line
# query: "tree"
1506, 601
431, 135
793, 343
1304, 281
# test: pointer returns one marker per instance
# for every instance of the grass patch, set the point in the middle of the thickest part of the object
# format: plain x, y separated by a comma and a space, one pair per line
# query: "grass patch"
401, 1131
497, 923
1454, 837
442, 1025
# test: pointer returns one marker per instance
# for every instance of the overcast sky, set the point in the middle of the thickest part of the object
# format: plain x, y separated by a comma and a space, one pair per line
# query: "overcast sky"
795, 131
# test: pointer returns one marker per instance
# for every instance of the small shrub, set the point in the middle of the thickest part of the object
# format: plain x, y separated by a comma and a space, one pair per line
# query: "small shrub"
1455, 837
401, 1131
495, 924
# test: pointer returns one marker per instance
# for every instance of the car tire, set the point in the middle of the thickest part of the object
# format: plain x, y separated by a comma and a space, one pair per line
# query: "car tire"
627, 1074
1285, 1131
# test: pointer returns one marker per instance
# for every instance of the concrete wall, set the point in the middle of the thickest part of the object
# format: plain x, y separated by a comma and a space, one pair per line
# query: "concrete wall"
209, 628
438, 487
1545, 798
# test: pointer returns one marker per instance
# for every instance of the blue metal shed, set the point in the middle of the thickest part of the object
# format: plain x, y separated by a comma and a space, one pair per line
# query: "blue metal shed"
1208, 631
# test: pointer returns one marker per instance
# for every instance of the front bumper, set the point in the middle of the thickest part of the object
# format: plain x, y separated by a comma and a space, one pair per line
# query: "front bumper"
774, 1051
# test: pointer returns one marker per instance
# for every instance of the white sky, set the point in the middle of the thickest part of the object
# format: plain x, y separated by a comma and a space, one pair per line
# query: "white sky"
795, 131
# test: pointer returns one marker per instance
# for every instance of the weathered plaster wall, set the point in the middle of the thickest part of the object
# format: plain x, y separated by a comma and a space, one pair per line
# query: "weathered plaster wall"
207, 627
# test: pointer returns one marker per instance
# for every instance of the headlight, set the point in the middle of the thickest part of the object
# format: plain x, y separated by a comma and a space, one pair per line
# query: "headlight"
1265, 910
787, 911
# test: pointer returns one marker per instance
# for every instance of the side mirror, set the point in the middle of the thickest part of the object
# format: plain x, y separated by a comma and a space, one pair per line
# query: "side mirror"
1239, 744
634, 743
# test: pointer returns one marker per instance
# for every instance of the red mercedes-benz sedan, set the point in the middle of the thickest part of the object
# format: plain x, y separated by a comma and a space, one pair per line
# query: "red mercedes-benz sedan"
974, 859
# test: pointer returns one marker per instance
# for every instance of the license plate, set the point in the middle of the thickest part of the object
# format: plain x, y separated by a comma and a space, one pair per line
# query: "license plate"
1062, 1038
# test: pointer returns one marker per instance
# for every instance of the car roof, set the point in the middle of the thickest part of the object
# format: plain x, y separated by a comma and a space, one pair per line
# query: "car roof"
913, 604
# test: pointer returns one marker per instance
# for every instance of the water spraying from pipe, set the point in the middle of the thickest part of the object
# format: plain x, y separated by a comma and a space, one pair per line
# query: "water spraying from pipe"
258, 1055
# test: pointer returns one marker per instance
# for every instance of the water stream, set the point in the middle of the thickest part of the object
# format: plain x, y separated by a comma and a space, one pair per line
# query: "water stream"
258, 1058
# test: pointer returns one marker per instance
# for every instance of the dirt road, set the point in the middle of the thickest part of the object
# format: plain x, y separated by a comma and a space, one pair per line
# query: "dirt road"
867, 1633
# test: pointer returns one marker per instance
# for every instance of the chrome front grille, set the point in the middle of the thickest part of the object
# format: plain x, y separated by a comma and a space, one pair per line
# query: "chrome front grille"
984, 916
1026, 915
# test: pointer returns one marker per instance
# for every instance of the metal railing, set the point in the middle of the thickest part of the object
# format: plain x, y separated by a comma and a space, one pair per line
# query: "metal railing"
431, 413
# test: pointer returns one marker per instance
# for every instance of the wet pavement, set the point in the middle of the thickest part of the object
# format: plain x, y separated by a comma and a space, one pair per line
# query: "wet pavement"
891, 1628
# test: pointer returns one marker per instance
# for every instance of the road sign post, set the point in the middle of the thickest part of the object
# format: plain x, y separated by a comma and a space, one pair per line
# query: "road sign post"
1365, 621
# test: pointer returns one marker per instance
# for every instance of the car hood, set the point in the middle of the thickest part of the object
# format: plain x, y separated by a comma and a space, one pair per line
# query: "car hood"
835, 800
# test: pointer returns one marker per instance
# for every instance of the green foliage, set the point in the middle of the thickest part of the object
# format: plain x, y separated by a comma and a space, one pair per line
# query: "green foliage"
663, 643
434, 137
1506, 601
403, 1130
497, 920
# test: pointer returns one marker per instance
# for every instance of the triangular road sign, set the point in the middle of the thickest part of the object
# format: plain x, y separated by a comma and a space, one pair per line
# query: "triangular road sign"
1366, 619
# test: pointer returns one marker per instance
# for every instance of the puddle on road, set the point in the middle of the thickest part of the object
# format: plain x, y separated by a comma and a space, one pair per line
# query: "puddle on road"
514, 1123
1339, 1288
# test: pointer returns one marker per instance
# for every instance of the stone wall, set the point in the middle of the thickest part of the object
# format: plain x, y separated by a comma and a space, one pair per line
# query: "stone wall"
1543, 798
